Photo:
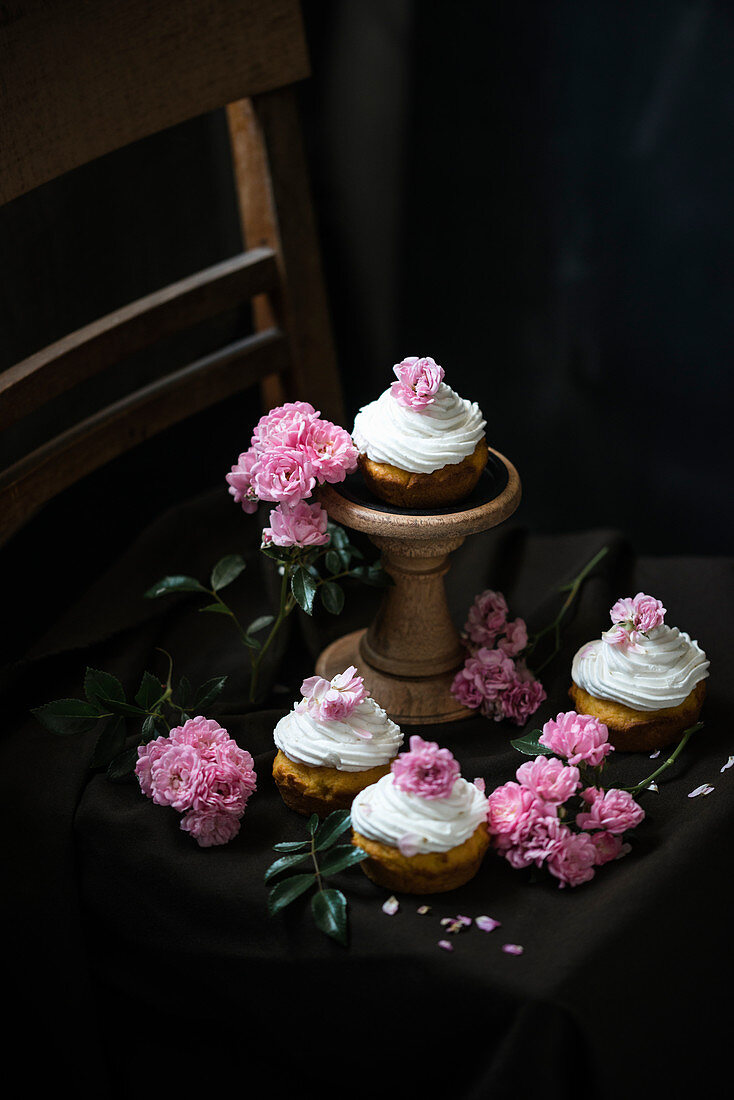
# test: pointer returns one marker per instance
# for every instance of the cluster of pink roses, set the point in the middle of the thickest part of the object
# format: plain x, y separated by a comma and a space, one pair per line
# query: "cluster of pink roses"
494, 678
417, 382
426, 770
199, 770
549, 817
633, 616
292, 450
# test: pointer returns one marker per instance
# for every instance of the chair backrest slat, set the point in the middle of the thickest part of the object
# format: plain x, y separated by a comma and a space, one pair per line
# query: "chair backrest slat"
109, 340
56, 465
81, 78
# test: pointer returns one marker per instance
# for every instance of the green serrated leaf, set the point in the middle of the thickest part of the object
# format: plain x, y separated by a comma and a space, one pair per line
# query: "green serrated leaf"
530, 745
341, 857
332, 597
150, 692
110, 743
329, 909
99, 684
208, 692
176, 583
285, 863
129, 710
333, 561
69, 716
149, 729
122, 768
303, 587
331, 828
227, 570
287, 891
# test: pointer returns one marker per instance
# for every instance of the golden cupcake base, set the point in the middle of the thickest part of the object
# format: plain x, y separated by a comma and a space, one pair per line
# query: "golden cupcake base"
424, 873
641, 730
315, 790
404, 489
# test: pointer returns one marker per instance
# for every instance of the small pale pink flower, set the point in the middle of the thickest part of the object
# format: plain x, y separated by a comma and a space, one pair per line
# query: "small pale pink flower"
577, 737
240, 483
574, 860
613, 811
177, 777
284, 475
546, 836
418, 382
608, 847
522, 697
426, 770
466, 688
512, 809
300, 524
334, 700
331, 450
487, 617
515, 638
551, 780
209, 827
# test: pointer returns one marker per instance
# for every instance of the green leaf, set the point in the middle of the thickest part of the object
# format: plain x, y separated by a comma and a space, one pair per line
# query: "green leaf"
150, 728
313, 823
177, 583
110, 743
530, 745
208, 692
227, 570
278, 553
287, 891
333, 561
373, 574
260, 623
68, 716
285, 863
332, 596
122, 768
339, 537
291, 845
329, 908
185, 693
340, 857
331, 828
117, 707
150, 692
303, 587
218, 608
102, 685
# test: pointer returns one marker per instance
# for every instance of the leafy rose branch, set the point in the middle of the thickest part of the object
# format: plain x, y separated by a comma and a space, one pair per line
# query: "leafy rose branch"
308, 575
155, 708
328, 904
554, 627
530, 745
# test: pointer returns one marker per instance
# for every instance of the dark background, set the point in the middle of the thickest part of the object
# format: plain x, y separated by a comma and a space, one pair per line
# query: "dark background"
538, 195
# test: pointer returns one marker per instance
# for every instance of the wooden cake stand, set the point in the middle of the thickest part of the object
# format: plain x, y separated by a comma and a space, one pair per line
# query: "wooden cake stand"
410, 654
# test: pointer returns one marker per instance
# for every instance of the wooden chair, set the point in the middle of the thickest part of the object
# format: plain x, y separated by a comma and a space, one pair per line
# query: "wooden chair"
82, 79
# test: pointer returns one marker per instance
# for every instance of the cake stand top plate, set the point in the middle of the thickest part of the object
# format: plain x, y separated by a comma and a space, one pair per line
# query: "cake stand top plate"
495, 497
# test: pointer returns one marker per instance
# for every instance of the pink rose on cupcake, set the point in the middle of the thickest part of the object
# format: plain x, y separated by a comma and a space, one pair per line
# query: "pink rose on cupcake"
426, 770
418, 382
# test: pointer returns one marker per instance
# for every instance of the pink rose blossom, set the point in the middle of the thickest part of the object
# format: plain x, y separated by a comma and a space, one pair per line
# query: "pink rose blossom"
515, 638
203, 733
613, 811
426, 770
546, 837
208, 827
224, 789
177, 777
286, 422
633, 615
418, 382
523, 696
511, 812
334, 700
577, 737
608, 847
300, 524
284, 475
487, 618
331, 450
492, 670
240, 484
551, 780
467, 688
574, 860
148, 756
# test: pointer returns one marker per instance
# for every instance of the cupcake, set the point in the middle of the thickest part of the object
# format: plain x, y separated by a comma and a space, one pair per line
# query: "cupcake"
335, 741
420, 444
423, 827
645, 680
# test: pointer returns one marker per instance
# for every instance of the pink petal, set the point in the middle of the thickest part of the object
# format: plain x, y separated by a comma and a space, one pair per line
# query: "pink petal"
391, 906
705, 788
446, 945
512, 948
487, 924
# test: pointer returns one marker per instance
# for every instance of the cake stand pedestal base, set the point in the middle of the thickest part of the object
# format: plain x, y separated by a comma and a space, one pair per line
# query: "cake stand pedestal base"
411, 652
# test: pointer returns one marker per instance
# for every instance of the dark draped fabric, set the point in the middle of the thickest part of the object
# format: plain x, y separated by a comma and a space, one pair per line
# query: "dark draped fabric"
138, 963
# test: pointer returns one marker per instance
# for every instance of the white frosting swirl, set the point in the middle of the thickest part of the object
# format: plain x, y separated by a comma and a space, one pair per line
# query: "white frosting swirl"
384, 813
306, 739
420, 441
662, 673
